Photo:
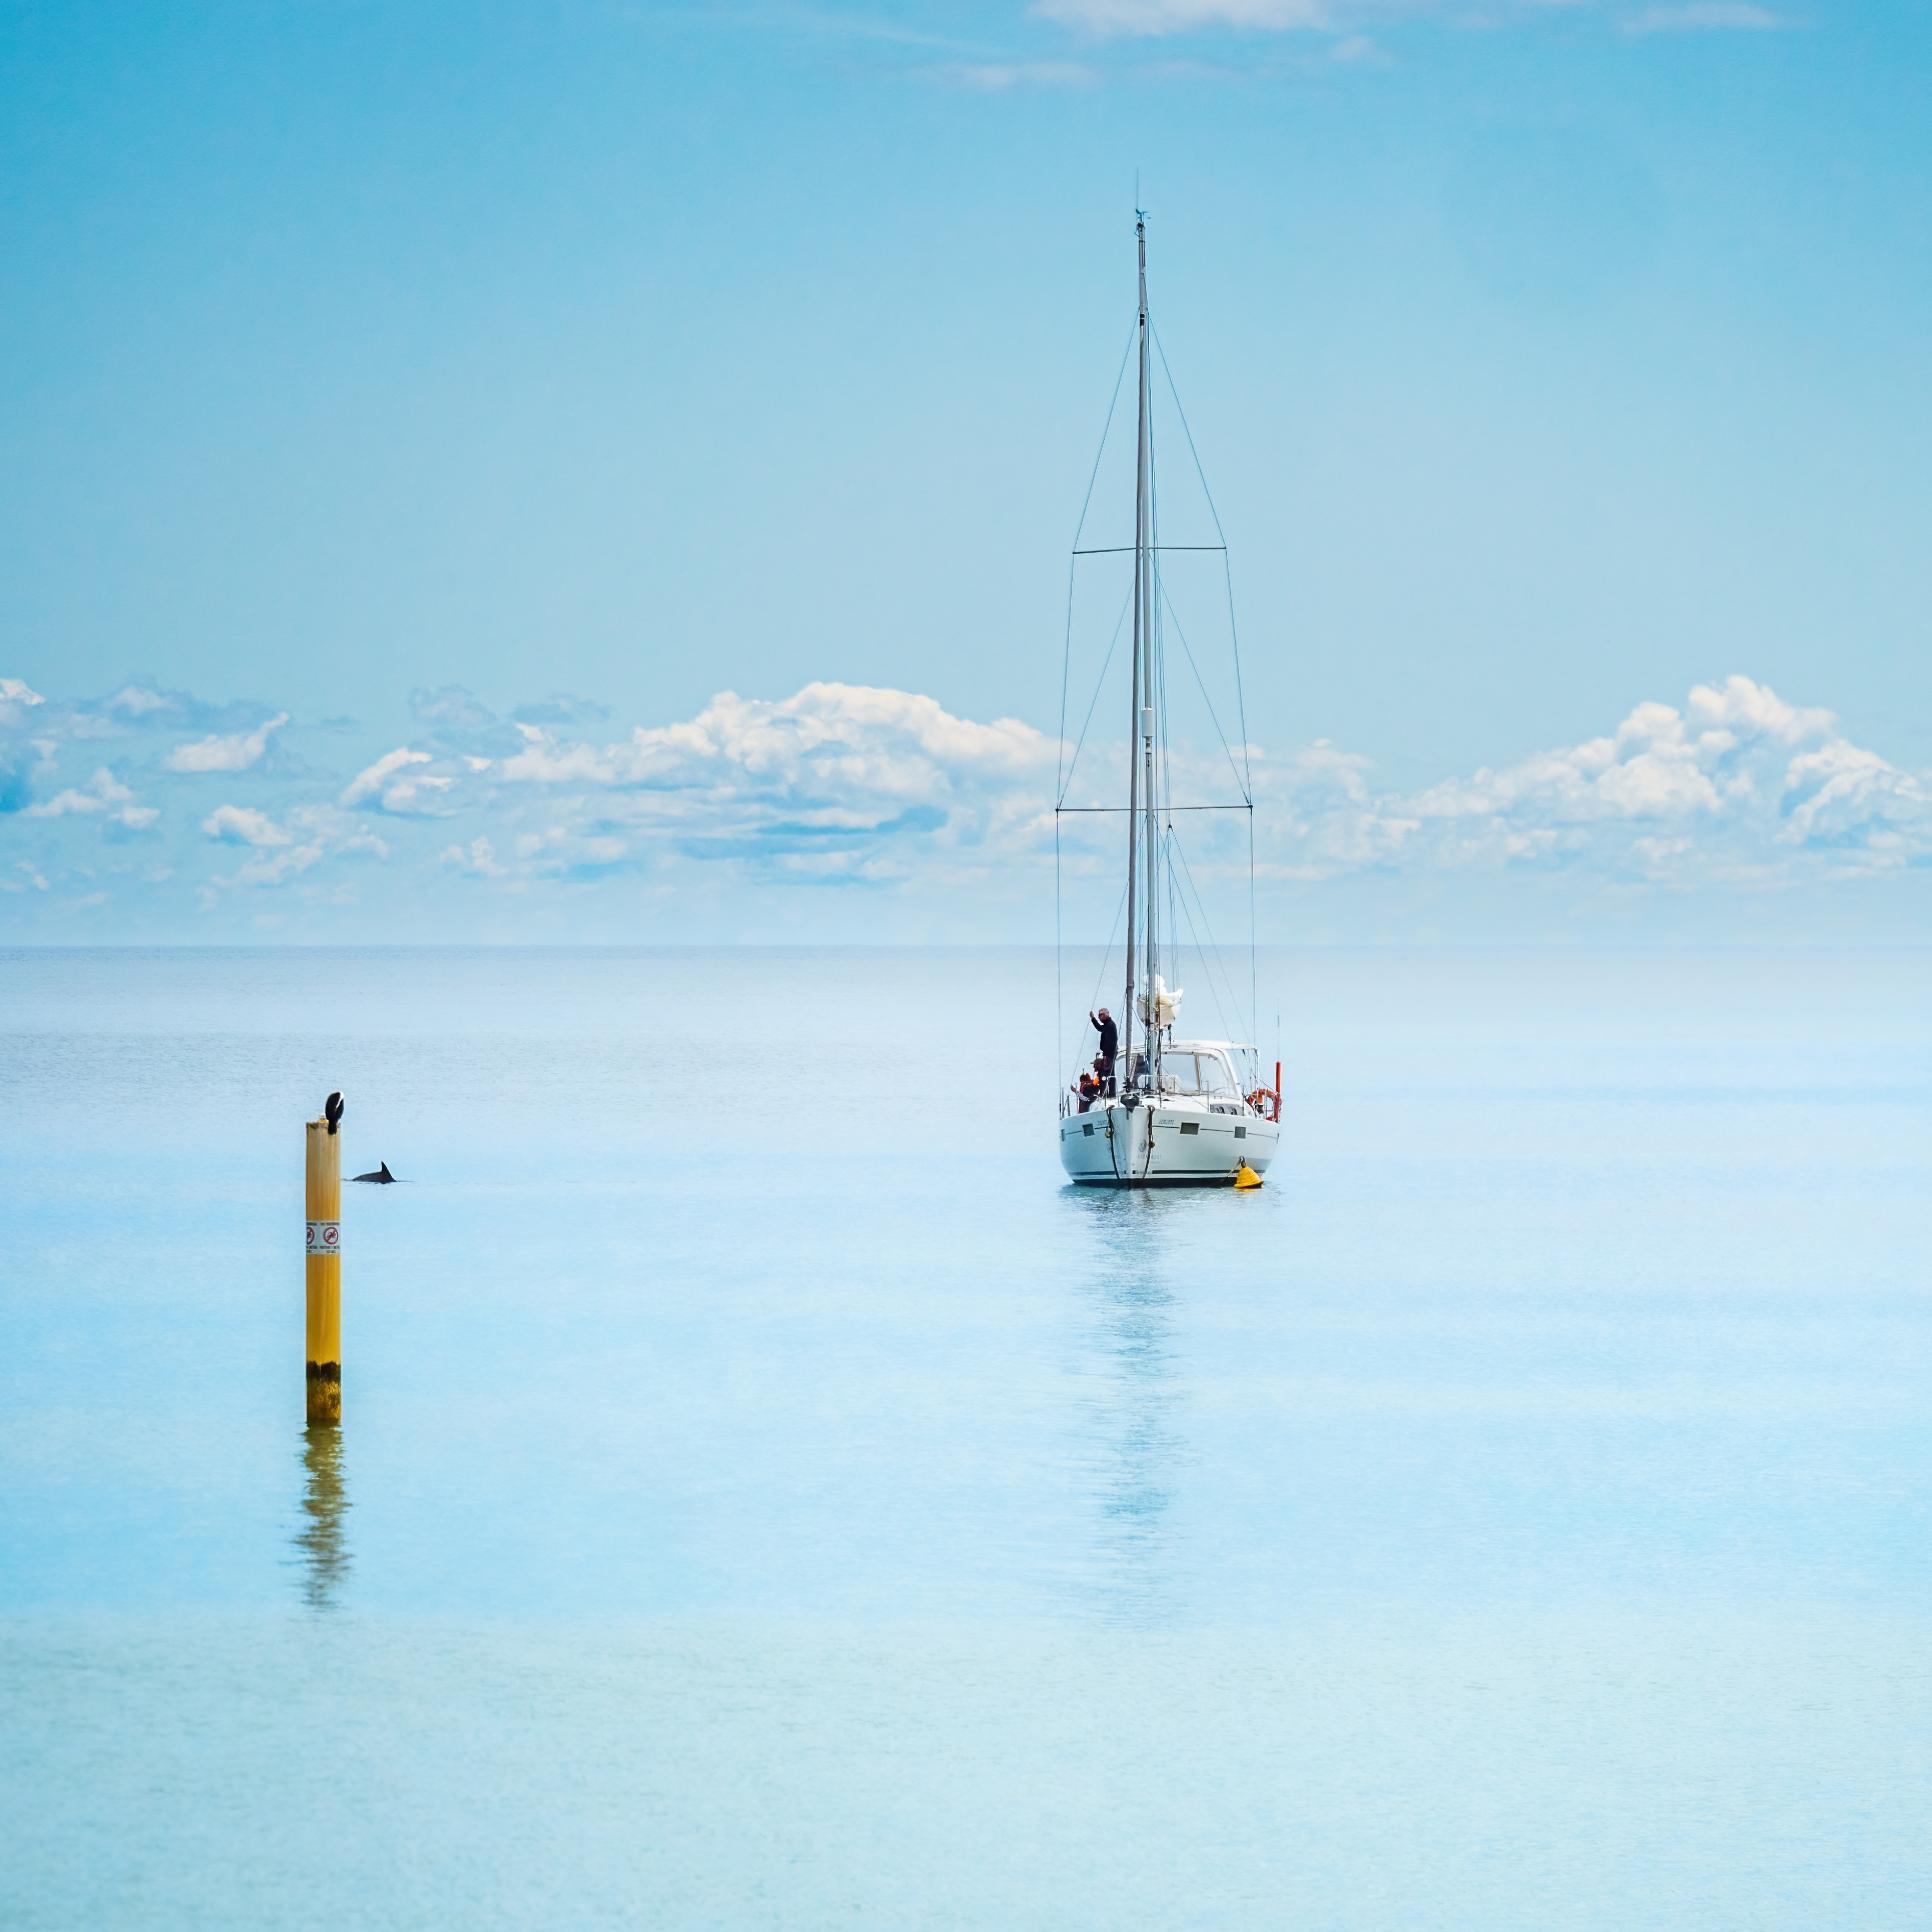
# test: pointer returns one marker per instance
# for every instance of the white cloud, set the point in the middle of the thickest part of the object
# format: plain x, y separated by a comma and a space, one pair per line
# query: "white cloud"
106, 794
422, 796
841, 783
242, 825
266, 870
235, 752
1317, 818
418, 796
480, 859
12, 691
1843, 797
134, 699
278, 853
1731, 787
1737, 781
566, 852
855, 739
797, 783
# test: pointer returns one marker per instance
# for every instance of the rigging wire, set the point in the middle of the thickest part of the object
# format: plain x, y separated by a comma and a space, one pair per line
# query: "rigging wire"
1107, 952
1234, 638
1180, 883
1159, 785
1233, 1005
1248, 766
1063, 776
1086, 502
1200, 904
1208, 962
1201, 685
1201, 953
1240, 692
1254, 976
1066, 671
1173, 391
1060, 781
1119, 376
1065, 785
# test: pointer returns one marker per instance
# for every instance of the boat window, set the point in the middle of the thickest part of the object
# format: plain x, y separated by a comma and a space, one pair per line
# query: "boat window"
1196, 1073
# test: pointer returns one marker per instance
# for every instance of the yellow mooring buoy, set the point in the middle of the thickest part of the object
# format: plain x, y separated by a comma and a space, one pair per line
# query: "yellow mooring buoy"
1246, 1177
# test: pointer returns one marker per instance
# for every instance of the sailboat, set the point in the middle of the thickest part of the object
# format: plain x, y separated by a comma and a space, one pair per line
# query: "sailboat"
1169, 1111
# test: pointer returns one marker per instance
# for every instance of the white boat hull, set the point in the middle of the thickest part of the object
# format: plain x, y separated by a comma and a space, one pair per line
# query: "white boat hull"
1163, 1145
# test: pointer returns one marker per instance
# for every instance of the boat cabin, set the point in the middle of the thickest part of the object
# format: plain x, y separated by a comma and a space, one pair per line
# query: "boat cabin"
1202, 1070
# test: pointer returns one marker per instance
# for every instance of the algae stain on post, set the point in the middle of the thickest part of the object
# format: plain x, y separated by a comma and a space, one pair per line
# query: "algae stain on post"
324, 1264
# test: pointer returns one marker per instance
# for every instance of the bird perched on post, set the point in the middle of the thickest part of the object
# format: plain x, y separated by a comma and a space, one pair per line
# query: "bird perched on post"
333, 1112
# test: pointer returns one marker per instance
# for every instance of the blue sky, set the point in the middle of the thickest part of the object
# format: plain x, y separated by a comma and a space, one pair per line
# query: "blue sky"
495, 386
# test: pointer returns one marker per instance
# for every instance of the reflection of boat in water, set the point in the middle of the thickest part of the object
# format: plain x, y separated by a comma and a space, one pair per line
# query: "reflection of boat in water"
1172, 1112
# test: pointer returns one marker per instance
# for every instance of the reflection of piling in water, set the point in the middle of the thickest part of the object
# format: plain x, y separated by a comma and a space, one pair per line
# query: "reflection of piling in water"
322, 1541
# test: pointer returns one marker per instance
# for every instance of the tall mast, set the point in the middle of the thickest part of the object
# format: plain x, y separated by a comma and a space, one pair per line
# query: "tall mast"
1143, 588
1151, 695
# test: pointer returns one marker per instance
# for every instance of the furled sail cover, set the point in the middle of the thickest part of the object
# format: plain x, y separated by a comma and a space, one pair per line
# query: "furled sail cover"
1160, 1009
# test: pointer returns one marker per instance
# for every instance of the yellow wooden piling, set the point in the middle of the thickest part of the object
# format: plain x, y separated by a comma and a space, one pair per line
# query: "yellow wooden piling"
324, 1275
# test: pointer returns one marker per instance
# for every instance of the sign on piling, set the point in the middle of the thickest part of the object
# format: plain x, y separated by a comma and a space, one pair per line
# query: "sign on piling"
324, 1268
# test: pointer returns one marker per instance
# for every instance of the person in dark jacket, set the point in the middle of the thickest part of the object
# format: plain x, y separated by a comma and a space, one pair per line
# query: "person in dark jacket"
1110, 1042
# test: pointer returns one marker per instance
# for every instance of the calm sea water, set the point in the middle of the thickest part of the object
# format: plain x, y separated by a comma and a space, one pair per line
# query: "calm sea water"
769, 1497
